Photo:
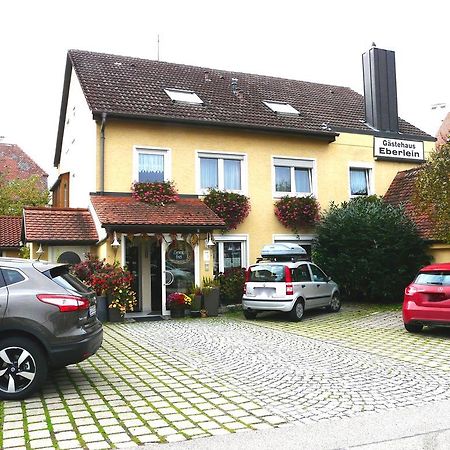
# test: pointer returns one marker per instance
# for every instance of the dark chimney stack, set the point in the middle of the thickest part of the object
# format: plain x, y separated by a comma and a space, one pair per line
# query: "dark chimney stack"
380, 89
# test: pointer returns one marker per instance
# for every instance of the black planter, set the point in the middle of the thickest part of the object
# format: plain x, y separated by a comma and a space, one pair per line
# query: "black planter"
196, 306
114, 315
211, 300
177, 313
102, 308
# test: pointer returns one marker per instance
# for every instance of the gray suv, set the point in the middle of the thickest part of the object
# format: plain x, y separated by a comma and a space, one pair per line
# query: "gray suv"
47, 319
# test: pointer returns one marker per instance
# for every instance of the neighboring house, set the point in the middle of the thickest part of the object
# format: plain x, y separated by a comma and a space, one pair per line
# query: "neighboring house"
400, 193
443, 134
16, 164
10, 240
127, 119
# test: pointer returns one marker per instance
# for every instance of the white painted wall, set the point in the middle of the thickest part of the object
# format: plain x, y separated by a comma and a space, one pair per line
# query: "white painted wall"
78, 153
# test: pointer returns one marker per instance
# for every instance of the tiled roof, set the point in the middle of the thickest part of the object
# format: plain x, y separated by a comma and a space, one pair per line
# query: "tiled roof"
59, 225
10, 229
443, 134
401, 192
16, 164
133, 87
124, 210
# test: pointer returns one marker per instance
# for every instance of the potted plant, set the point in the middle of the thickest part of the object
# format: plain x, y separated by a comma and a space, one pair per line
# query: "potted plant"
297, 212
177, 302
211, 296
195, 293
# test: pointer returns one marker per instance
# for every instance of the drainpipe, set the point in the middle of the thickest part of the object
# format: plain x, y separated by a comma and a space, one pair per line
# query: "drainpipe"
102, 153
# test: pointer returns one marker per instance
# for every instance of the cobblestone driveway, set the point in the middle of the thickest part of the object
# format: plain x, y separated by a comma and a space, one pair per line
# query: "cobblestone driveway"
175, 380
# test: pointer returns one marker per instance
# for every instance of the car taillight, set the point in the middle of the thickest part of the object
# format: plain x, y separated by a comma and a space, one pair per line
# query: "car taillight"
289, 289
247, 275
245, 288
410, 291
65, 303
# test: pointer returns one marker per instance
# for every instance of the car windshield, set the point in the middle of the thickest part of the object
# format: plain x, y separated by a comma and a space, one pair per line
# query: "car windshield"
61, 276
267, 273
438, 278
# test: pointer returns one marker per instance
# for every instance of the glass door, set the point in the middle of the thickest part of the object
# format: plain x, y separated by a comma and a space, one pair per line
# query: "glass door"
180, 267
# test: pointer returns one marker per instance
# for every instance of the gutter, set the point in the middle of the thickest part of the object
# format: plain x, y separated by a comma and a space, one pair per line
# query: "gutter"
102, 153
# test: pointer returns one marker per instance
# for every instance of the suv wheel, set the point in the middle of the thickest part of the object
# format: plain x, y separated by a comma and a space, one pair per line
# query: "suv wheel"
413, 327
249, 315
335, 304
23, 368
297, 311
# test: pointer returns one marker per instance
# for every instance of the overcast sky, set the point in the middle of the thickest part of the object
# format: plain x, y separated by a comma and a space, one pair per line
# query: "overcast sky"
320, 41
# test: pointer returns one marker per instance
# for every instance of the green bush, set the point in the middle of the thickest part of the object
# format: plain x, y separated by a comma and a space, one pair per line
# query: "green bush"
231, 283
371, 249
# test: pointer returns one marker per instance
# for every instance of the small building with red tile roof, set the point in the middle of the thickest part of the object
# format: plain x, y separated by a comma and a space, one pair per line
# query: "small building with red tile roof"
401, 193
59, 232
10, 235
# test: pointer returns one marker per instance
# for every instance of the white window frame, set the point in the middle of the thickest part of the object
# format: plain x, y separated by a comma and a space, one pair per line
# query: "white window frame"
281, 107
166, 152
220, 241
371, 176
293, 163
183, 96
220, 156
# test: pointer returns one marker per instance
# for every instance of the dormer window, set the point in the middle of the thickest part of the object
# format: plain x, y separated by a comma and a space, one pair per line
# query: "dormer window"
281, 108
178, 95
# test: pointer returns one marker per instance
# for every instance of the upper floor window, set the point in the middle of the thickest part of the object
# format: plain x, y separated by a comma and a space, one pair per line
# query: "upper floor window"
179, 95
293, 176
151, 165
221, 171
360, 181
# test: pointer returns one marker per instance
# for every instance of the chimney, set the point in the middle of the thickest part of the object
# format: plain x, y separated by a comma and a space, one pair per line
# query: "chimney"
380, 89
234, 85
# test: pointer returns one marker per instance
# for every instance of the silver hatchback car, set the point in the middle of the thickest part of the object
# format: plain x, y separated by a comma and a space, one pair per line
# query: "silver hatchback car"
290, 287
47, 319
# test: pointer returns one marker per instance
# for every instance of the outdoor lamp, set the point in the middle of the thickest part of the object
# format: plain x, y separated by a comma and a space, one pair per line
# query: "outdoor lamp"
209, 242
115, 244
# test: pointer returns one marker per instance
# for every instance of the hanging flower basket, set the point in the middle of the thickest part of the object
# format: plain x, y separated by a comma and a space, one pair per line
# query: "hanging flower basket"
297, 212
157, 193
233, 208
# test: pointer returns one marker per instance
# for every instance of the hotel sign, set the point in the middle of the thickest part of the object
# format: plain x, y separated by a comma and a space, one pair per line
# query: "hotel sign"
397, 149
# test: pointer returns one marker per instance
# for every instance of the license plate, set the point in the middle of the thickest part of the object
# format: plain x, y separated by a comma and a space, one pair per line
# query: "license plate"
92, 310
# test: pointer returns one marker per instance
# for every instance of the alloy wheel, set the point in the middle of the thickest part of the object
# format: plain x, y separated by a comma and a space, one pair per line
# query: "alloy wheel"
17, 369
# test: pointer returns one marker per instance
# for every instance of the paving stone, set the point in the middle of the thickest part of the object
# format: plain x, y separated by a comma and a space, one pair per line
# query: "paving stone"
13, 442
41, 443
69, 444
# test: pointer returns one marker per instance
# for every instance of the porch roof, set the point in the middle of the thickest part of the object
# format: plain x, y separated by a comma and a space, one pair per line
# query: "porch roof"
59, 225
122, 212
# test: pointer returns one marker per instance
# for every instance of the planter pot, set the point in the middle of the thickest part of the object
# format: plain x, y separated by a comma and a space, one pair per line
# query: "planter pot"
196, 306
211, 300
102, 308
177, 313
114, 315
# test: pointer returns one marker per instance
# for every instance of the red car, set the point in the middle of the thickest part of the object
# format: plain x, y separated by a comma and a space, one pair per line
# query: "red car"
427, 298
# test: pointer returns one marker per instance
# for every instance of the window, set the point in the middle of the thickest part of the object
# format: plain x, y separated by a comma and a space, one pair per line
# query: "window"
318, 275
178, 95
219, 171
293, 176
281, 108
12, 276
303, 273
229, 253
151, 165
360, 181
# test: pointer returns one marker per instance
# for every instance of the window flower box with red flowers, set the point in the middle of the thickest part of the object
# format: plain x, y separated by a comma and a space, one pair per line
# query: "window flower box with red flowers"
297, 212
232, 207
157, 193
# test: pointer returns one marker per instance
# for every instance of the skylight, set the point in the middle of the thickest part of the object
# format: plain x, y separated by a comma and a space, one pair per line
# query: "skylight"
178, 95
281, 108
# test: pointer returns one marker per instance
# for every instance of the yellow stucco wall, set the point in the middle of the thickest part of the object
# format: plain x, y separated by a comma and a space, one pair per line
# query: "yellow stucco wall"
332, 164
440, 252
10, 253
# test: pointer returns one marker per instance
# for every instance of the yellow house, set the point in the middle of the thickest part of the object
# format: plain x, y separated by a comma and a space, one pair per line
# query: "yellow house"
126, 119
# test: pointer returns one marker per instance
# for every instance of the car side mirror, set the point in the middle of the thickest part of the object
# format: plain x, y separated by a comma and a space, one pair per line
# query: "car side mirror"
328, 279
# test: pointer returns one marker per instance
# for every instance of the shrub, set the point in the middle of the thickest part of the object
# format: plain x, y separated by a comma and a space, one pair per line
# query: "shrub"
371, 249
233, 208
231, 283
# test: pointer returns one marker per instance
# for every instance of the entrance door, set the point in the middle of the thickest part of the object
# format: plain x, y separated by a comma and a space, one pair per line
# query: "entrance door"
179, 267
155, 276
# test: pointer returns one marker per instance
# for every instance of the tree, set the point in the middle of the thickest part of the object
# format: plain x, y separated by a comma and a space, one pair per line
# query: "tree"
432, 192
16, 194
371, 249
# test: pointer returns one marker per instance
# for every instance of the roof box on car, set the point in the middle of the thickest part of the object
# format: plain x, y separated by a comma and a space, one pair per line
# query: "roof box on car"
284, 252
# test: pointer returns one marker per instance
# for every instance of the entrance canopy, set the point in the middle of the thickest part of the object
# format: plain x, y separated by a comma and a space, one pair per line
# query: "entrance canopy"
122, 212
